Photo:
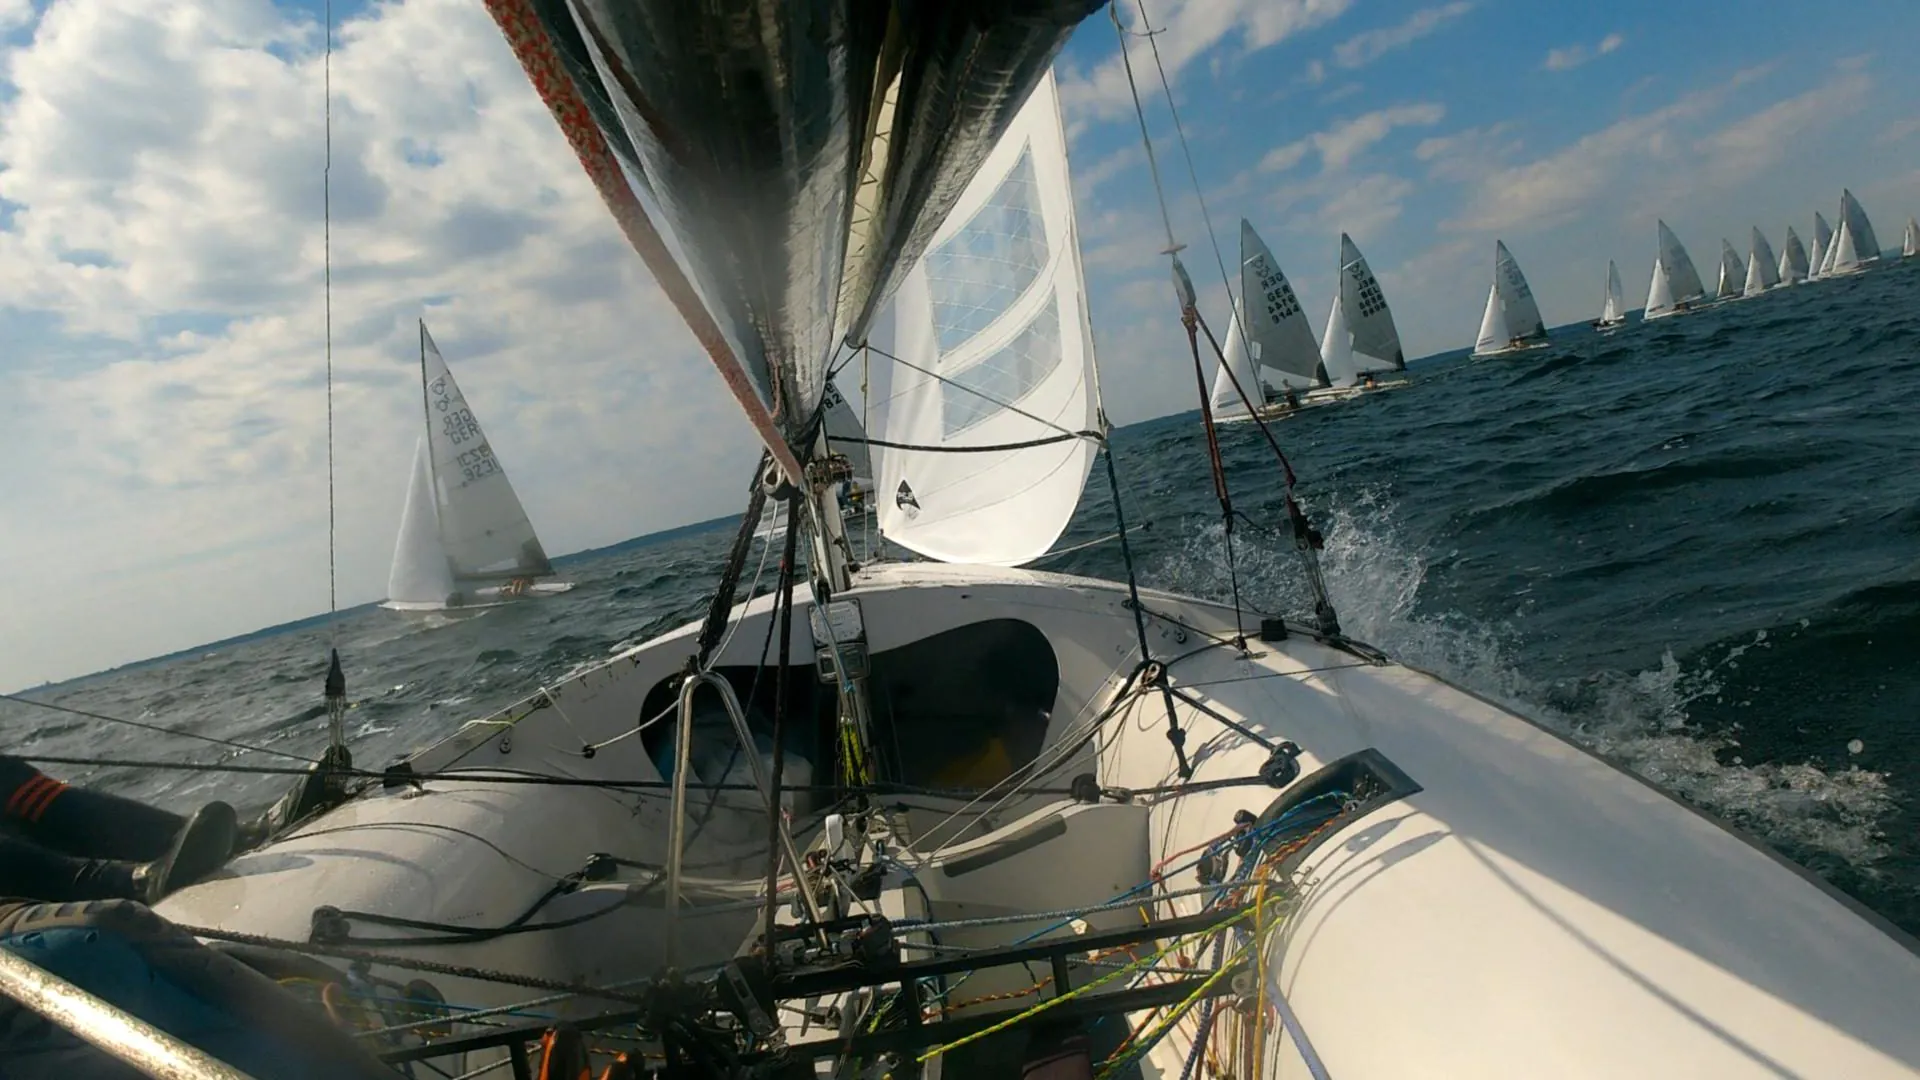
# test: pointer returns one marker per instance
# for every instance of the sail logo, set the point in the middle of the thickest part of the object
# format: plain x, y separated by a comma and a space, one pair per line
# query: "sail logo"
903, 498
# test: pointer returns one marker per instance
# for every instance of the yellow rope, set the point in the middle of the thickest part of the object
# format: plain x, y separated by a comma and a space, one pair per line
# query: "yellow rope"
1078, 990
1181, 1009
1260, 977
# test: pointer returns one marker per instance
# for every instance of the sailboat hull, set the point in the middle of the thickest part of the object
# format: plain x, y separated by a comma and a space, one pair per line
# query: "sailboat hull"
1582, 923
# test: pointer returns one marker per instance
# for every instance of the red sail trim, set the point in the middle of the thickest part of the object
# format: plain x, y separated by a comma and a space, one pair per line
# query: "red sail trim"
528, 38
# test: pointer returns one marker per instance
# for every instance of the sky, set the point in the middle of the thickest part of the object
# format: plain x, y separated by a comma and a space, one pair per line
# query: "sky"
163, 357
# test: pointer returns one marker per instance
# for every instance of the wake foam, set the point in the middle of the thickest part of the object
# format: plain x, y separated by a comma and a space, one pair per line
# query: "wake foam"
1636, 719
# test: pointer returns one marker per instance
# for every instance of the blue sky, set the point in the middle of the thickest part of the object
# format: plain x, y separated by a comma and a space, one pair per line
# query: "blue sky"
162, 412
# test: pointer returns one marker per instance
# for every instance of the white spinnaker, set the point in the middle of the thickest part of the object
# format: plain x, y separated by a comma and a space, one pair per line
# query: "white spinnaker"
420, 574
1866, 246
1278, 333
1493, 325
1225, 400
483, 528
1336, 348
1683, 281
1763, 272
1659, 292
1614, 310
1793, 259
997, 309
1822, 244
1910, 241
1522, 312
1376, 341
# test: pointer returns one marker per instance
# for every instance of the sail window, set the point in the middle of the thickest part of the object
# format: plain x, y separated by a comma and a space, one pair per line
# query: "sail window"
1005, 375
976, 274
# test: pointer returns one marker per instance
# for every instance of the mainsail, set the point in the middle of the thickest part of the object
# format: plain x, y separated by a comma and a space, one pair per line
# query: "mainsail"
991, 331
420, 574
1853, 217
1732, 272
1336, 347
1279, 336
1762, 271
1793, 259
484, 531
1910, 243
1683, 280
1822, 246
1226, 400
1613, 312
1376, 341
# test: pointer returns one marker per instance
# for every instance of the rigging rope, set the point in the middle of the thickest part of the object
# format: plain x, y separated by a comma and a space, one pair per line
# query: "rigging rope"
158, 729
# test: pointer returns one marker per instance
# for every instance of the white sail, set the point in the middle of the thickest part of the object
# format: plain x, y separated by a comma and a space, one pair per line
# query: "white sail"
1845, 256
1523, 314
1822, 245
1493, 326
1278, 333
1866, 246
483, 528
1733, 273
1910, 243
1613, 312
420, 574
1226, 401
1376, 341
1336, 348
1763, 272
1832, 252
1659, 293
1793, 259
1682, 279
996, 309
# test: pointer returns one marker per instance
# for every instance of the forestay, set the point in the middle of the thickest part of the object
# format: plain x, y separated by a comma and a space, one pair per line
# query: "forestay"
1278, 334
420, 574
991, 330
483, 529
1683, 281
1376, 341
1226, 401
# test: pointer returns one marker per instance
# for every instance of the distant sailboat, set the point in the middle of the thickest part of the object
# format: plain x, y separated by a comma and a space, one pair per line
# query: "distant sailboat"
1512, 320
1613, 312
1910, 243
1732, 273
1859, 248
1793, 259
1376, 341
1822, 245
1676, 286
465, 540
1763, 272
1269, 342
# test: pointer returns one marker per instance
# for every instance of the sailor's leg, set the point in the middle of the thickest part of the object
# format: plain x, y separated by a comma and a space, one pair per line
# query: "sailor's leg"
82, 822
33, 871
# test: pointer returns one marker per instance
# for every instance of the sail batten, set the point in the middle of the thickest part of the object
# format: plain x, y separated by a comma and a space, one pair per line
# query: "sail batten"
992, 325
484, 531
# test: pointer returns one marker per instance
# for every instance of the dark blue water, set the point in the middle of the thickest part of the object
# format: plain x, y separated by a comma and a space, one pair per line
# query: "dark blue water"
1693, 546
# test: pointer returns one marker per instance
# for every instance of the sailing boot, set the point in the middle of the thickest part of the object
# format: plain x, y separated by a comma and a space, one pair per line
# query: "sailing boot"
41, 873
320, 789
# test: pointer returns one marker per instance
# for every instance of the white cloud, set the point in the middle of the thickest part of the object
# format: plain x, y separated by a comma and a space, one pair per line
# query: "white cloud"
162, 412
1189, 29
1282, 158
1365, 48
1572, 56
1348, 139
15, 13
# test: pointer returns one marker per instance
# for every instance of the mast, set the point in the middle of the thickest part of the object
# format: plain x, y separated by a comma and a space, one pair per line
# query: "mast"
426, 412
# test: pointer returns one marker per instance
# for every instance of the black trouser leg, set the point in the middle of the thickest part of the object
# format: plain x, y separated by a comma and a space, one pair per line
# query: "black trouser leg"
82, 822
30, 871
